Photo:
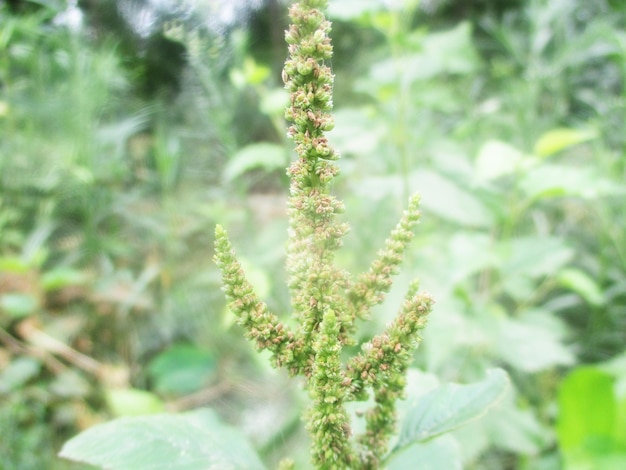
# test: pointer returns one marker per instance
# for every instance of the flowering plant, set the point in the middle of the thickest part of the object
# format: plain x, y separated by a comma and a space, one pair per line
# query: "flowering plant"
326, 301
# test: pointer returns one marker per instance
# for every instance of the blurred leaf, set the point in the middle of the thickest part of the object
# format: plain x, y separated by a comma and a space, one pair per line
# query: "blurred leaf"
356, 131
507, 427
13, 264
453, 50
586, 407
274, 101
496, 159
450, 406
581, 283
441, 53
257, 276
588, 429
61, 277
181, 369
18, 372
449, 201
190, 441
529, 347
548, 181
264, 155
533, 257
347, 10
557, 140
70, 383
440, 453
132, 402
18, 305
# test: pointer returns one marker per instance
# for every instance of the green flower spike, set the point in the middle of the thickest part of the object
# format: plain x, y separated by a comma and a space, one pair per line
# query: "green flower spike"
326, 301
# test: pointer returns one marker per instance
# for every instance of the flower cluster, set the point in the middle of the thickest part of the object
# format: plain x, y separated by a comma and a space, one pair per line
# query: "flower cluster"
326, 301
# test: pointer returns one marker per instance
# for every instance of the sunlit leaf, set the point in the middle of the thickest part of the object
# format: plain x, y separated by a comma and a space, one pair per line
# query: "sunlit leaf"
590, 426
581, 283
61, 277
496, 159
133, 402
557, 140
191, 441
587, 407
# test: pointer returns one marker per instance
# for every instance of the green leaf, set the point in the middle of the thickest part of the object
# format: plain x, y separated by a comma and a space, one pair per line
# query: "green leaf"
549, 181
264, 155
447, 199
441, 53
181, 369
533, 257
450, 406
133, 402
442, 452
581, 283
191, 441
18, 305
61, 277
530, 347
590, 427
347, 10
496, 159
557, 140
17, 373
587, 408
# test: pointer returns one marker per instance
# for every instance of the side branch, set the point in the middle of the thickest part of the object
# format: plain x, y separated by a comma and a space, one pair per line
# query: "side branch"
371, 286
252, 314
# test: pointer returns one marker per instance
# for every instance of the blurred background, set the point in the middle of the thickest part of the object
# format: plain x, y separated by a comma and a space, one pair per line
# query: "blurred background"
129, 128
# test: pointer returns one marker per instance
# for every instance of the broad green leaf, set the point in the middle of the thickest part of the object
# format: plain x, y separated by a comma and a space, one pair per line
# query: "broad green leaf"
133, 402
181, 369
441, 53
496, 159
551, 180
448, 200
506, 426
530, 347
587, 408
190, 441
556, 140
440, 453
533, 257
450, 406
263, 155
17, 373
18, 305
581, 283
452, 51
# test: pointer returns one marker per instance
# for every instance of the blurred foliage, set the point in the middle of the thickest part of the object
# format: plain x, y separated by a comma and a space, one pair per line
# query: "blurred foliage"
508, 117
